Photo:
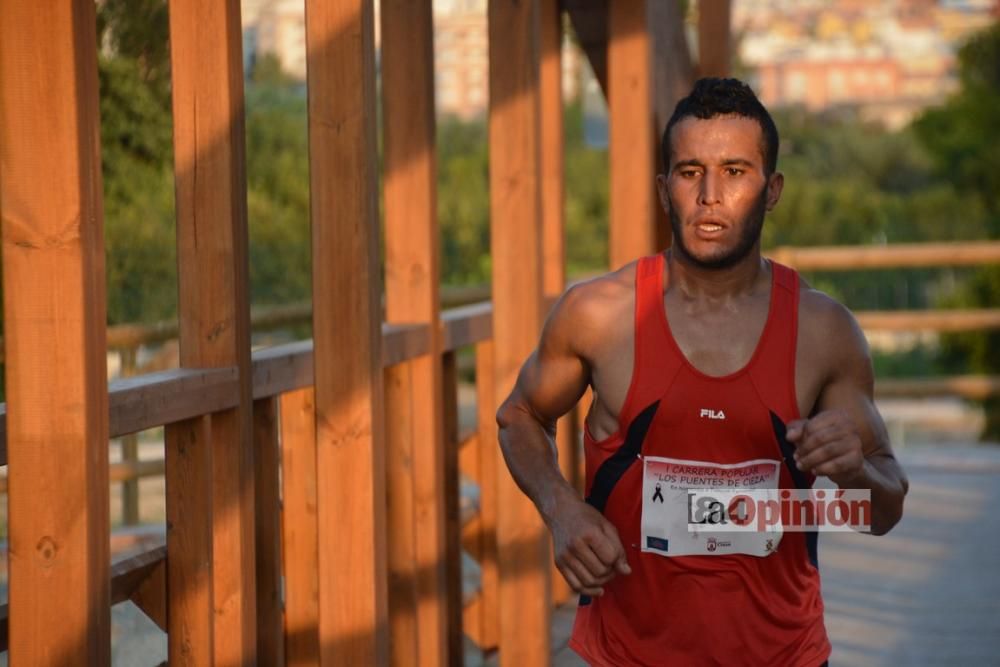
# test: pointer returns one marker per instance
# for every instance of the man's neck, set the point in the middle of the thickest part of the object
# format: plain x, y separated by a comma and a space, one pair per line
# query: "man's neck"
699, 282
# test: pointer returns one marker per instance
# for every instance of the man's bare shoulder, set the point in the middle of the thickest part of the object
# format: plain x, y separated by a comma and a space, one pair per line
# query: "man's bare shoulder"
829, 330
590, 309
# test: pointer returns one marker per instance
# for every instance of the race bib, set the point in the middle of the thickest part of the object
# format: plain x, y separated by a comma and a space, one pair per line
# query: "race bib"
673, 526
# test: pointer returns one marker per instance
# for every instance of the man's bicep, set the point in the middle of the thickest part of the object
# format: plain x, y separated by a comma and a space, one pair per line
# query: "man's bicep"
556, 374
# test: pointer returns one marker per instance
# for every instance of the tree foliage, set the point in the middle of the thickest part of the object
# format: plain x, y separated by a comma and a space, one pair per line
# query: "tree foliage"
962, 138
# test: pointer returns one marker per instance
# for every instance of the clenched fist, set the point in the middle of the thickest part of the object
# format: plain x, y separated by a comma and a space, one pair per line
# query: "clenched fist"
828, 444
588, 551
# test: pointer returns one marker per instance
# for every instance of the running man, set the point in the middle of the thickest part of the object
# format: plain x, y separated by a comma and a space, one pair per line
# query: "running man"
707, 360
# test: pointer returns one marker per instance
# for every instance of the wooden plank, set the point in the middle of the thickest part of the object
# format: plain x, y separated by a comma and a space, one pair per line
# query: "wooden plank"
298, 527
129, 454
453, 521
552, 149
714, 40
672, 71
54, 320
582, 408
632, 145
353, 619
128, 575
282, 368
267, 510
590, 23
929, 320
119, 472
146, 401
412, 295
127, 578
289, 366
553, 209
973, 387
188, 455
896, 255
515, 235
206, 57
156, 399
151, 594
482, 616
466, 325
401, 517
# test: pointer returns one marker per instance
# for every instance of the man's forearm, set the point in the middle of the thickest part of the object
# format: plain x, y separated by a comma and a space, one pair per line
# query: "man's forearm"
888, 485
531, 455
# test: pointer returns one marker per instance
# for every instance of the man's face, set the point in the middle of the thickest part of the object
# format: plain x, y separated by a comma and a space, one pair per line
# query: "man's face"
716, 191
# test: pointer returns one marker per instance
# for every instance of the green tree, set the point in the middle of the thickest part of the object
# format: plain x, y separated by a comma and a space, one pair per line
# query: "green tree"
962, 136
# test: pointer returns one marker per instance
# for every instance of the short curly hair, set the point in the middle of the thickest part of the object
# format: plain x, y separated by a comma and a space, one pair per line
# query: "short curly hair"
712, 97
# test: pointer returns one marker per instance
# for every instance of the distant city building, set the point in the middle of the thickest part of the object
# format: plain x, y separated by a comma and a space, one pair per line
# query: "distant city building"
461, 49
280, 30
889, 60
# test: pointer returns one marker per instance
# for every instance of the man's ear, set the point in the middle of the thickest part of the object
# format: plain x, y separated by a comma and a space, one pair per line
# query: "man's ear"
774, 186
661, 189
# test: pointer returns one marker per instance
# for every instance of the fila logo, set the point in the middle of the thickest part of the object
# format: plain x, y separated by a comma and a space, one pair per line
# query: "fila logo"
712, 414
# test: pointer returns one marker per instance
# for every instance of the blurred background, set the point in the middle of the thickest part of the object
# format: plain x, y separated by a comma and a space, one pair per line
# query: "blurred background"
889, 116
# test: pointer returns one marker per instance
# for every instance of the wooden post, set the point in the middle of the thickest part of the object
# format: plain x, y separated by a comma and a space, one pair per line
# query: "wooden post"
516, 242
415, 435
130, 453
298, 527
267, 462
714, 40
453, 527
553, 216
632, 142
207, 69
481, 618
353, 618
54, 323
400, 448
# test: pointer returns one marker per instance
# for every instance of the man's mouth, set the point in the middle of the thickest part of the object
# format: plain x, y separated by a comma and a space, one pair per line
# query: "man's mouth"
709, 229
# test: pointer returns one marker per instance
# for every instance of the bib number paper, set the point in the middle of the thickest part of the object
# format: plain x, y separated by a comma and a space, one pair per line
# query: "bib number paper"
667, 517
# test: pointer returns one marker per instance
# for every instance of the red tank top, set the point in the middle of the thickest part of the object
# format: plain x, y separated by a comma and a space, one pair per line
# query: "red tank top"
694, 610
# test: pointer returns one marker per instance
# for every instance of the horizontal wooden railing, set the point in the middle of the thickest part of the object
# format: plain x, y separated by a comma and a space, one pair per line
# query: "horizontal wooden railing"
897, 255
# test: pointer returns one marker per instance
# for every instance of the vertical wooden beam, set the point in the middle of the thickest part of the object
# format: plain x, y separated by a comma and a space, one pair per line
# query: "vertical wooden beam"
130, 453
210, 173
412, 270
673, 76
632, 142
453, 525
353, 619
404, 639
54, 321
188, 473
553, 212
297, 411
516, 242
552, 150
481, 618
267, 462
714, 39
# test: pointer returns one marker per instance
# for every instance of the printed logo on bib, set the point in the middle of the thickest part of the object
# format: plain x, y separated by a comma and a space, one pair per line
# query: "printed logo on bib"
667, 527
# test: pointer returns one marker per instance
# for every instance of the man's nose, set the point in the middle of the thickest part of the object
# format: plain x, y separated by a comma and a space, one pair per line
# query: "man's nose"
711, 191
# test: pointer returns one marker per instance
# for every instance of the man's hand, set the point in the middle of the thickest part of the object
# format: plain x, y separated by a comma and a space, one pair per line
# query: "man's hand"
588, 552
828, 444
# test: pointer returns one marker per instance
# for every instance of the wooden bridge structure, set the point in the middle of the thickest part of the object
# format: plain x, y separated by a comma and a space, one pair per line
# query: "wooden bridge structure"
312, 493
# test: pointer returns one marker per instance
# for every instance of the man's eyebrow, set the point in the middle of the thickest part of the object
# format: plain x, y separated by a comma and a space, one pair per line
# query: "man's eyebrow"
737, 160
687, 163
